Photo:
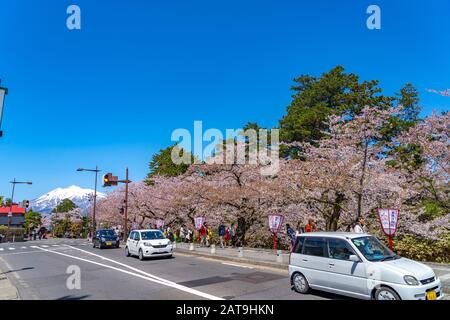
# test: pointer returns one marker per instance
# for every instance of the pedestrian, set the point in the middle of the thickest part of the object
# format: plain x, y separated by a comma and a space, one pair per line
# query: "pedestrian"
221, 231
291, 234
203, 233
360, 226
233, 234
182, 235
311, 226
227, 236
299, 230
189, 236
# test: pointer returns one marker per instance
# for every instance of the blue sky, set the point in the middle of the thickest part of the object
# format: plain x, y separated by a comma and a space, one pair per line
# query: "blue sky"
111, 93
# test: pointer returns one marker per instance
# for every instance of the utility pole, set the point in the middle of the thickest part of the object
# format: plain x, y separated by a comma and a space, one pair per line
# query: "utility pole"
3, 93
108, 181
96, 170
125, 229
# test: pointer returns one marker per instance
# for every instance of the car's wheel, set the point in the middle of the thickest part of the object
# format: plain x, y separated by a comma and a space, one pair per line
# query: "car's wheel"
141, 255
385, 293
300, 283
100, 245
127, 252
93, 245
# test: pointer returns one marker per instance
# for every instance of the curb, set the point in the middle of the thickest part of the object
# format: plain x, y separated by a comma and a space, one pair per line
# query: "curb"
7, 290
234, 259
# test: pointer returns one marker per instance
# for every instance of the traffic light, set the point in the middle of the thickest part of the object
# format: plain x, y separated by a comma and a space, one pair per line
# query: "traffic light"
109, 180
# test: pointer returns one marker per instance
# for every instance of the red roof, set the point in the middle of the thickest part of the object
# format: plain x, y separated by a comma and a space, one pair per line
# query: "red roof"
16, 210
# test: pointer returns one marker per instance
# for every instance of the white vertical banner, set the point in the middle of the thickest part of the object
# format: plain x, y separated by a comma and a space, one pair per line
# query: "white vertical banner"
2, 99
389, 220
198, 222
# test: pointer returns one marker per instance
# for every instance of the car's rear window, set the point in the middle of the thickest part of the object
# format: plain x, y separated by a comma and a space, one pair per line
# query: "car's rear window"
298, 245
314, 246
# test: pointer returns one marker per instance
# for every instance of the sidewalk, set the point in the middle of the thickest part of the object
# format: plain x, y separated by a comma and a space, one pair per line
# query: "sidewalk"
278, 259
7, 290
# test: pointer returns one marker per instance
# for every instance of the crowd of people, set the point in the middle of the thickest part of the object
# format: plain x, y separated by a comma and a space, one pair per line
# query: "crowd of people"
357, 227
229, 235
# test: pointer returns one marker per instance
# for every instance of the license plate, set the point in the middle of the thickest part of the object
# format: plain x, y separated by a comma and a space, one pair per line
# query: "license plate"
431, 295
108, 243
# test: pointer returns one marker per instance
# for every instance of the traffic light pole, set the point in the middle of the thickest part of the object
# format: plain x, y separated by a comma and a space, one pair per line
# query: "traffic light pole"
10, 208
125, 229
95, 203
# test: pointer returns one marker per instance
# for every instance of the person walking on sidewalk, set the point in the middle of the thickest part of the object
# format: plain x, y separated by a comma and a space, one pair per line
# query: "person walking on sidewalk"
221, 232
360, 226
291, 234
227, 236
311, 226
203, 234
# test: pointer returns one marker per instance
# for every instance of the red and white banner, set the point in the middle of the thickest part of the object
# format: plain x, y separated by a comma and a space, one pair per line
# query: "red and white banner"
275, 222
160, 223
388, 220
198, 222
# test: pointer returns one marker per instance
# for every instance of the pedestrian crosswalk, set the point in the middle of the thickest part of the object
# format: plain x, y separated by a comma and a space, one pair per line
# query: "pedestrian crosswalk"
36, 246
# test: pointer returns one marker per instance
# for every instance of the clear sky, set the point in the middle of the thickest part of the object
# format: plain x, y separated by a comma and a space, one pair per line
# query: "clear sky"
111, 93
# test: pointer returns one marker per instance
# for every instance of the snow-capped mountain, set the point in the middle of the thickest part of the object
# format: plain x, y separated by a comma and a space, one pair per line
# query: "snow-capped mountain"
81, 197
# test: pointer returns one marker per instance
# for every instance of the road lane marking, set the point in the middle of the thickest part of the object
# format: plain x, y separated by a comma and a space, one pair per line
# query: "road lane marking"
237, 265
1, 249
55, 245
23, 252
150, 278
12, 248
44, 246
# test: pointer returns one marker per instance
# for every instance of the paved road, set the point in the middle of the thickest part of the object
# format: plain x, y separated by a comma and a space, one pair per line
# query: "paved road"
39, 271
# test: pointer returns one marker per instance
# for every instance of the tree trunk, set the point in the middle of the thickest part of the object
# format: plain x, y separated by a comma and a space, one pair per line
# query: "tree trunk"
361, 181
241, 230
333, 220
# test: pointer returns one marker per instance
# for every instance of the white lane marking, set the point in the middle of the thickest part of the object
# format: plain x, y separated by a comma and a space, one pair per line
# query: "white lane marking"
123, 265
236, 265
55, 245
44, 246
12, 248
23, 252
444, 277
34, 247
148, 278
1, 249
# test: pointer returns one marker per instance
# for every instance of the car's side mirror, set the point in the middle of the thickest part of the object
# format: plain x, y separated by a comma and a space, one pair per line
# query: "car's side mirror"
354, 258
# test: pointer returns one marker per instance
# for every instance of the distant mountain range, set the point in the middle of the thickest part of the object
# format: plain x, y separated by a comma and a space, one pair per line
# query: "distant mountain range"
81, 197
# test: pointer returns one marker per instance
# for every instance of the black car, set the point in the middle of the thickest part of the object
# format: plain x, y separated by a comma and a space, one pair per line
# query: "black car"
105, 238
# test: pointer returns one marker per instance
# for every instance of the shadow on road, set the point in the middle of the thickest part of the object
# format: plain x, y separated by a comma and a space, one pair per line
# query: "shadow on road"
23, 269
71, 297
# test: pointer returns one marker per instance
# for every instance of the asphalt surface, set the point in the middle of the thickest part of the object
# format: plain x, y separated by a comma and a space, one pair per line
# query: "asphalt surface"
39, 270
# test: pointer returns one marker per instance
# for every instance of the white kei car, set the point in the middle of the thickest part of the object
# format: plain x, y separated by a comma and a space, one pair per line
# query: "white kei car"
360, 266
148, 243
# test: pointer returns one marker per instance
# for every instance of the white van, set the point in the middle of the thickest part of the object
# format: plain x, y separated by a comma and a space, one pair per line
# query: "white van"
360, 266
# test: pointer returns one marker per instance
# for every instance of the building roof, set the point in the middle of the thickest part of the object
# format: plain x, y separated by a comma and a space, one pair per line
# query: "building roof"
16, 210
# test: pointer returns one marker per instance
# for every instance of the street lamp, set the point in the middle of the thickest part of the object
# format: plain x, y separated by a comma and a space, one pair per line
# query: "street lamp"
96, 170
14, 182
3, 93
